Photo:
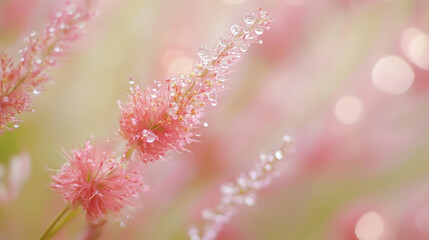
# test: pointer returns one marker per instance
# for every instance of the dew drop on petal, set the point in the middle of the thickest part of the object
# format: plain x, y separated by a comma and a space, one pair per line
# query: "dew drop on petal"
259, 31
131, 80
279, 154
214, 103
80, 24
70, 9
243, 47
227, 189
122, 224
249, 18
149, 136
16, 125
249, 200
37, 91
206, 124
260, 41
235, 29
267, 167
119, 104
223, 42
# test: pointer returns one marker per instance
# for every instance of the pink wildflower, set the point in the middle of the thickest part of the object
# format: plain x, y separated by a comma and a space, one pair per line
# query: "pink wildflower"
40, 53
162, 118
98, 182
241, 192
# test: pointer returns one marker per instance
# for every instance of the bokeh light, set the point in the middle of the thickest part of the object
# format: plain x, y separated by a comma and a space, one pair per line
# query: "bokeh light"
370, 226
348, 109
392, 75
415, 44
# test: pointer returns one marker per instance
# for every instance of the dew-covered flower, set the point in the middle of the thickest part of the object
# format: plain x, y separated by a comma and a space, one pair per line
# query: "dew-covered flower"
97, 181
23, 78
241, 192
162, 118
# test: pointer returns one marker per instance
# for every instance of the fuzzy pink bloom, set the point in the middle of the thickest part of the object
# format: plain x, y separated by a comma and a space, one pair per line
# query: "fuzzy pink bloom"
18, 81
159, 119
98, 182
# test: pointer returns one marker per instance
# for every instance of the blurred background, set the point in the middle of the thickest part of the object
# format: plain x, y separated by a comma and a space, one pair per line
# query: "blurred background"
348, 79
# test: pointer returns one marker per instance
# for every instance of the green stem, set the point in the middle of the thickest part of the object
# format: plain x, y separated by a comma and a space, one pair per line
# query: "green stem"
47, 233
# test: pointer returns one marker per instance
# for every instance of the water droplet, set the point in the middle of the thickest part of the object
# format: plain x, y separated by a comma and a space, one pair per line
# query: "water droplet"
235, 29
249, 18
260, 41
22, 59
70, 9
223, 42
228, 189
80, 24
206, 124
16, 125
38, 60
243, 47
279, 154
131, 80
149, 136
267, 167
249, 200
122, 224
263, 157
5, 99
214, 103
259, 31
51, 29
222, 78
119, 104
107, 140
58, 14
193, 231
204, 54
37, 90
33, 34
57, 49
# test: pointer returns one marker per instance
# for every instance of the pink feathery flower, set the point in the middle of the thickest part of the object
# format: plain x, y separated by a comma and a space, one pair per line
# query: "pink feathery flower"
241, 192
98, 182
159, 119
18, 81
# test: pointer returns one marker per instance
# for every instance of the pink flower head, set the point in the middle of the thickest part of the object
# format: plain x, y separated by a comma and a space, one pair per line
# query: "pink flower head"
19, 80
98, 182
162, 118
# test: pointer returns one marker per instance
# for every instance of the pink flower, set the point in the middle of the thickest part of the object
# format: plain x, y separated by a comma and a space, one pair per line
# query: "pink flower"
18, 81
98, 182
157, 120
241, 192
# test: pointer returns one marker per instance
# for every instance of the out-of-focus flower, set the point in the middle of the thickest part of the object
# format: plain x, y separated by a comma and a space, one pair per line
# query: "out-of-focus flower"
19, 170
98, 182
242, 192
162, 118
18, 81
